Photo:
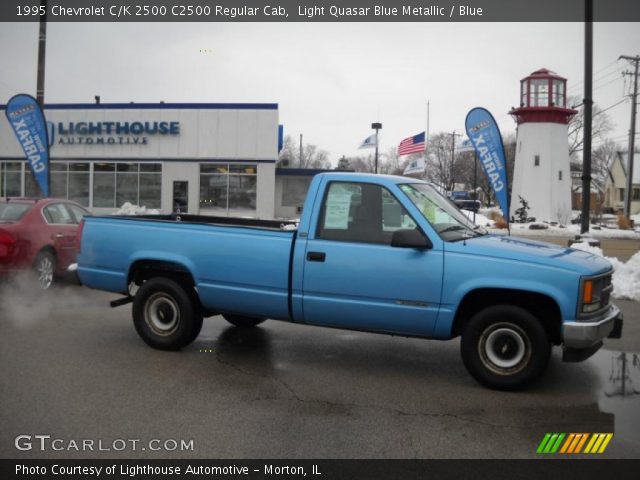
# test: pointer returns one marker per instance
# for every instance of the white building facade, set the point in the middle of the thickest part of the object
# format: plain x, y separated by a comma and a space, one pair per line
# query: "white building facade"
216, 159
542, 173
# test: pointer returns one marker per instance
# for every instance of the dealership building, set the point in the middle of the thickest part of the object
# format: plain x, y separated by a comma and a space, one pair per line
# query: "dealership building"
212, 159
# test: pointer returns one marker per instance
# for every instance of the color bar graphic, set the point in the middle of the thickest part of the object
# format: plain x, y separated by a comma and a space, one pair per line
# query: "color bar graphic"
573, 443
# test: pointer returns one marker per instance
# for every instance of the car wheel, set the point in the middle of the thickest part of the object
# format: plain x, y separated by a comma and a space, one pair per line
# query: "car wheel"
45, 268
505, 347
241, 321
165, 315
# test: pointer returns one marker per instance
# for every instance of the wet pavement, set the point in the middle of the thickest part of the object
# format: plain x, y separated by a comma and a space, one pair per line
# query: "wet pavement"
75, 369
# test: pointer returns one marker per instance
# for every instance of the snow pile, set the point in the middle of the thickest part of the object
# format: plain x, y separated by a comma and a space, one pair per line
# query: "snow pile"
626, 276
130, 209
480, 219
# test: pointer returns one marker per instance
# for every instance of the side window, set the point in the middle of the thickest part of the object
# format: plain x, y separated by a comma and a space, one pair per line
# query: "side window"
77, 212
361, 212
58, 214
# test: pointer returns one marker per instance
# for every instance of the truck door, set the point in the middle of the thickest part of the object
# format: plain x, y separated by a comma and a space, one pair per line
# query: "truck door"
354, 278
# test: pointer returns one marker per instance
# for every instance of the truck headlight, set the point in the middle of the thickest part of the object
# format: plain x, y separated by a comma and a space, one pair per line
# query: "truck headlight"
594, 293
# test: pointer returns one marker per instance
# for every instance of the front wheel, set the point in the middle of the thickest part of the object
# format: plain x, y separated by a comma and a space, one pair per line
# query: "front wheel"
505, 347
165, 315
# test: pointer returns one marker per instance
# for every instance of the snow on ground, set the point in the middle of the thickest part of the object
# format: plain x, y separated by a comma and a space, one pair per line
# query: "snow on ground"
481, 220
130, 209
626, 276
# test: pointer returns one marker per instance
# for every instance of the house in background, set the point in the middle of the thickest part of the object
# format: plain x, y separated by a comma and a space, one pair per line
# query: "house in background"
616, 183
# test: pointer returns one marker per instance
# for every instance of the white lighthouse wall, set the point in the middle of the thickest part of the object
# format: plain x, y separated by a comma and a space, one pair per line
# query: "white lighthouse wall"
549, 197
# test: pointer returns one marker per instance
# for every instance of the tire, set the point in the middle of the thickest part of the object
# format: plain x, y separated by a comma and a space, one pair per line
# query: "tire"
165, 315
505, 347
242, 322
44, 268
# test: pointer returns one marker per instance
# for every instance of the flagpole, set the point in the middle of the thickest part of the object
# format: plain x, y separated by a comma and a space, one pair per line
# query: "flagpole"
426, 137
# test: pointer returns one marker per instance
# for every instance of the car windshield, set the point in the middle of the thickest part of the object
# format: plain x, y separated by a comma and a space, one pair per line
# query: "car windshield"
12, 212
451, 224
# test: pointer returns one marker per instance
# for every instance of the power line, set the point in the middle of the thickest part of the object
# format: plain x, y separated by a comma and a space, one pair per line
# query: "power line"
578, 85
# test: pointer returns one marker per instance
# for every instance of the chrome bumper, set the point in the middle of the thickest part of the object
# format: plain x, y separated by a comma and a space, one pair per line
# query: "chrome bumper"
585, 334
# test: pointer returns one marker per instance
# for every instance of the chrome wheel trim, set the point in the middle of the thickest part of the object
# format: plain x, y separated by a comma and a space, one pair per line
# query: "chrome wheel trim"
161, 314
504, 348
44, 270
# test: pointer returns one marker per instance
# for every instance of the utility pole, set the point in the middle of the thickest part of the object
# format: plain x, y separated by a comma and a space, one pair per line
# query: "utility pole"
300, 161
42, 46
588, 105
376, 126
632, 134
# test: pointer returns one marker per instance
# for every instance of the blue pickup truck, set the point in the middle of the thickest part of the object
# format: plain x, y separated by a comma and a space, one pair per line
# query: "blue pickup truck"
372, 253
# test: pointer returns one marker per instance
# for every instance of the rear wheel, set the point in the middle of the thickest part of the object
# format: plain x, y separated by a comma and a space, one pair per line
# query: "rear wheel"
45, 268
165, 315
241, 321
505, 347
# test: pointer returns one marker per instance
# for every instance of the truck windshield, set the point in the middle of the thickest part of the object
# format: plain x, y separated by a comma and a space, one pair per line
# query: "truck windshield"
442, 214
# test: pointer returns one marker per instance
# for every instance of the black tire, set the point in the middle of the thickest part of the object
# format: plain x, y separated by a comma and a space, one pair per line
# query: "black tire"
242, 322
44, 268
165, 315
505, 347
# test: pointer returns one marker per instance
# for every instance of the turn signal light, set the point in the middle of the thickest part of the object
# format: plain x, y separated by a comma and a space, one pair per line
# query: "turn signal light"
587, 293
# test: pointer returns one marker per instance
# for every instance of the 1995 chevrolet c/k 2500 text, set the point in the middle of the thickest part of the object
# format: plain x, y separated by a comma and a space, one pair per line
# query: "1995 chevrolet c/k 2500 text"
374, 253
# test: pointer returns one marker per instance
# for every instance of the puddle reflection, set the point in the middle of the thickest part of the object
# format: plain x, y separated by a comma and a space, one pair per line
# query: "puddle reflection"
620, 390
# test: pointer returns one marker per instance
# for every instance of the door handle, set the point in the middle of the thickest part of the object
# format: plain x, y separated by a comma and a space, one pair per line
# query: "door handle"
59, 235
316, 256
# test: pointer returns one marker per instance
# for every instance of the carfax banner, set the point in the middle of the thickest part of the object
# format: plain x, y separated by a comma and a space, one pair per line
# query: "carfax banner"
28, 123
485, 136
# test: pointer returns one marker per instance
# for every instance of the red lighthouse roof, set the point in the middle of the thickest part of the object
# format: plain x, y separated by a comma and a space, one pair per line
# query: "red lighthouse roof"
543, 99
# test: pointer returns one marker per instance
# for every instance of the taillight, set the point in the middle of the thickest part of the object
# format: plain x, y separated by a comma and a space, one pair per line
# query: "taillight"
7, 241
79, 236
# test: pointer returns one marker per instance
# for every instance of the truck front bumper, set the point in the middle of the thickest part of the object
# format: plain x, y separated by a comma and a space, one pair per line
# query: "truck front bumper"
583, 339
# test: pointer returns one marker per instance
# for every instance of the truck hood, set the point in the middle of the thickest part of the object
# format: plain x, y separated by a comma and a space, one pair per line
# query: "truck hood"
531, 251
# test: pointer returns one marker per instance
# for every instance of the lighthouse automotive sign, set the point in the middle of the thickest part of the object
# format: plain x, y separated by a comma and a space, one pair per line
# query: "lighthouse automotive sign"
27, 120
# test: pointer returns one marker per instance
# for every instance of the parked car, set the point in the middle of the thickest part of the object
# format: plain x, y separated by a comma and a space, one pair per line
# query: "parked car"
38, 235
371, 252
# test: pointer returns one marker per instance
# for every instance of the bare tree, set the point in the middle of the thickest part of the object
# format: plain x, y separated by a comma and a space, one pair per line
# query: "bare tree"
601, 160
312, 156
601, 126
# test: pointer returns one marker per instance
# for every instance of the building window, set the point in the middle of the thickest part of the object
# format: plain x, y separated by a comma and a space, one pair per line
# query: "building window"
10, 174
228, 188
559, 174
536, 160
69, 180
621, 194
636, 194
136, 183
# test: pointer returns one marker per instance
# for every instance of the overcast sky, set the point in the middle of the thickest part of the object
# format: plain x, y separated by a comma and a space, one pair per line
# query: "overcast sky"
330, 80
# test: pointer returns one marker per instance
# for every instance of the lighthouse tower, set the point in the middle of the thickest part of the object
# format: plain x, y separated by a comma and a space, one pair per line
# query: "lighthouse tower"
541, 175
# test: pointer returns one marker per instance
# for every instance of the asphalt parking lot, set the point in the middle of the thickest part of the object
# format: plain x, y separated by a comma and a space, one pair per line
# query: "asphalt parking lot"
74, 369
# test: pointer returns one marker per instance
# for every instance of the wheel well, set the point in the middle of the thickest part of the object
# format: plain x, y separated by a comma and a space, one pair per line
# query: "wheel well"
543, 307
142, 270
48, 249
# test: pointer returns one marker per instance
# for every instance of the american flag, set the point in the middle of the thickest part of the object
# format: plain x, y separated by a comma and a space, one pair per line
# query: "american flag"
413, 144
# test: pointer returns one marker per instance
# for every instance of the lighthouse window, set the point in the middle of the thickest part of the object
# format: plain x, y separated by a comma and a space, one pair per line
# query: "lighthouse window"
540, 93
558, 93
536, 161
559, 174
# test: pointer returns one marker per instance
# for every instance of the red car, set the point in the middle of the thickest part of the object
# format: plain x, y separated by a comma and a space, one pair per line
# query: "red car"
38, 234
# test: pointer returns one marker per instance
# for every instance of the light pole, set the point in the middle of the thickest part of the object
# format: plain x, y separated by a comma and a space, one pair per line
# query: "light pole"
376, 126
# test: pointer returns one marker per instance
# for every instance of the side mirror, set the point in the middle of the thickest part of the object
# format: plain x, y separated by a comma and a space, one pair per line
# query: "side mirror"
413, 238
